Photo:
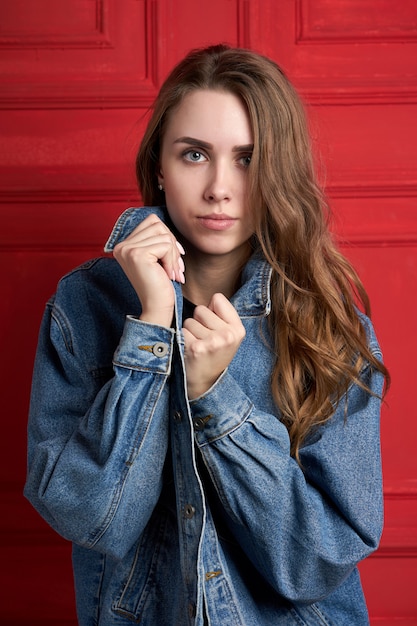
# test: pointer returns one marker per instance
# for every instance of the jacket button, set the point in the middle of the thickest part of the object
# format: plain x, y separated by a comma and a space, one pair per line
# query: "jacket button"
189, 511
177, 416
199, 423
191, 610
160, 349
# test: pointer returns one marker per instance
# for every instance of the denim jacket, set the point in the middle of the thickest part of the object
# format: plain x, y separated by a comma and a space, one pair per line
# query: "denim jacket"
193, 512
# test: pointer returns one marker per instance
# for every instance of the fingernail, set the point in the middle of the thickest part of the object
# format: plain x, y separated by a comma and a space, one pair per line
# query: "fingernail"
181, 264
182, 277
180, 248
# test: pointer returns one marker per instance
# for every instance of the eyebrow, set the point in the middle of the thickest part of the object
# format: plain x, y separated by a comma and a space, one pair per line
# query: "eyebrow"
199, 143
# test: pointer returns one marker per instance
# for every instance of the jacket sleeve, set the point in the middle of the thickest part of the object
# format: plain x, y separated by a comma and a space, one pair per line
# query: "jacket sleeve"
304, 528
96, 452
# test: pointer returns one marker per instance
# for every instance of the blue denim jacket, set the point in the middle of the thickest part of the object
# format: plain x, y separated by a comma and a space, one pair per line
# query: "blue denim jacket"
194, 512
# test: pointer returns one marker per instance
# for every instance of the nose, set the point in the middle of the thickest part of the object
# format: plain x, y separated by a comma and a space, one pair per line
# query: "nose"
219, 184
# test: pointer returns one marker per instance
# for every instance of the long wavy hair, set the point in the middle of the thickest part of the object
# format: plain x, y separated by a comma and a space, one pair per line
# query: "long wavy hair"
318, 338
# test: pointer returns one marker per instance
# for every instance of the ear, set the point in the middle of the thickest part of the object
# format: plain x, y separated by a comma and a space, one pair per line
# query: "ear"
160, 176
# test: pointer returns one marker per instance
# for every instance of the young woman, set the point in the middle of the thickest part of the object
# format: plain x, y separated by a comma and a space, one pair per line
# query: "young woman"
205, 410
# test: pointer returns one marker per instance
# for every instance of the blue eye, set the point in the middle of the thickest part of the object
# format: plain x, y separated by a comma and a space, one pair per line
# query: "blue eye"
194, 155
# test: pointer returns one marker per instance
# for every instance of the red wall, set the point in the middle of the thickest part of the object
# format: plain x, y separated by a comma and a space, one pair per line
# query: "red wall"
75, 88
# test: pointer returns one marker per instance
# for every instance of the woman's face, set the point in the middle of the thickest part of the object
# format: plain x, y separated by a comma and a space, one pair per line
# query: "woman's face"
205, 155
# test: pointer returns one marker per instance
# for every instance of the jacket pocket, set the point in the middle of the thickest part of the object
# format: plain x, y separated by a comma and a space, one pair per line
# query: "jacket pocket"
143, 567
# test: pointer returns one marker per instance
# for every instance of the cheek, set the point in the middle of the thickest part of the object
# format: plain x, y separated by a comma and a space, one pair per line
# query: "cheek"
176, 198
171, 185
182, 192
176, 181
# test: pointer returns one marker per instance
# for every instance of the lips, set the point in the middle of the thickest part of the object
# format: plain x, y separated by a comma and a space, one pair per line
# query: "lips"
217, 221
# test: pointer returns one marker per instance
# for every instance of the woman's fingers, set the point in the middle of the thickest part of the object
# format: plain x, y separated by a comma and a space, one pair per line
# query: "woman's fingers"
212, 338
152, 242
151, 258
220, 315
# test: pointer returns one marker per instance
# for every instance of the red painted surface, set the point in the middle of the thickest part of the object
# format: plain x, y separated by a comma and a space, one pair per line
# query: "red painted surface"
75, 89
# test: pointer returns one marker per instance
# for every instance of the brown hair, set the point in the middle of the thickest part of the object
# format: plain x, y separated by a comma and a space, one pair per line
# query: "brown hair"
314, 323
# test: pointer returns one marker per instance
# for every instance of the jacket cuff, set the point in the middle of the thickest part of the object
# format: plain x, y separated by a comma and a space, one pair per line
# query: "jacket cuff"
145, 346
222, 409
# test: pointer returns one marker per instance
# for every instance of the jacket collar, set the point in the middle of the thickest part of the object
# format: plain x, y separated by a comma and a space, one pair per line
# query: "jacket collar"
254, 295
128, 221
253, 298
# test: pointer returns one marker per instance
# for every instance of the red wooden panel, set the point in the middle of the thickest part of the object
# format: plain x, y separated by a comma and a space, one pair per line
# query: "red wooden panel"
93, 53
204, 23
42, 21
73, 152
389, 583
367, 148
384, 214
356, 20
341, 51
28, 278
389, 273
59, 227
76, 85
45, 576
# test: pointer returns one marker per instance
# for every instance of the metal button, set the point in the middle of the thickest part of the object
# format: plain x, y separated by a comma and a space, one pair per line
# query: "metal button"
199, 423
210, 575
177, 416
189, 511
191, 610
160, 349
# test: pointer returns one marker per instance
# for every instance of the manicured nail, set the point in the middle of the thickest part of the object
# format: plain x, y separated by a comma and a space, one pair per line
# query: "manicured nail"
181, 264
180, 248
182, 277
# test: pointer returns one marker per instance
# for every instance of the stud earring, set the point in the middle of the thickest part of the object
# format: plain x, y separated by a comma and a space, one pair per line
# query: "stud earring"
160, 187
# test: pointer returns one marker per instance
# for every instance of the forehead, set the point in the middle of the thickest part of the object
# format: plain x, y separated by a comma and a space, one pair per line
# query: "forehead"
210, 111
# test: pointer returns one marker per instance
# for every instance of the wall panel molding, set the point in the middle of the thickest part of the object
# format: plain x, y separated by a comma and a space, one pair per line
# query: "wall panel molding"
344, 53
245, 23
342, 93
58, 226
399, 539
108, 60
26, 28
320, 21
384, 189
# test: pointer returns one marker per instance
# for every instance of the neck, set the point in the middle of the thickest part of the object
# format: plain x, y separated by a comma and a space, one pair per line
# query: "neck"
207, 275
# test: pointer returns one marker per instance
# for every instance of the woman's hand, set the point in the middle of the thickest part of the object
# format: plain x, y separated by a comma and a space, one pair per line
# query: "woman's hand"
212, 337
151, 257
